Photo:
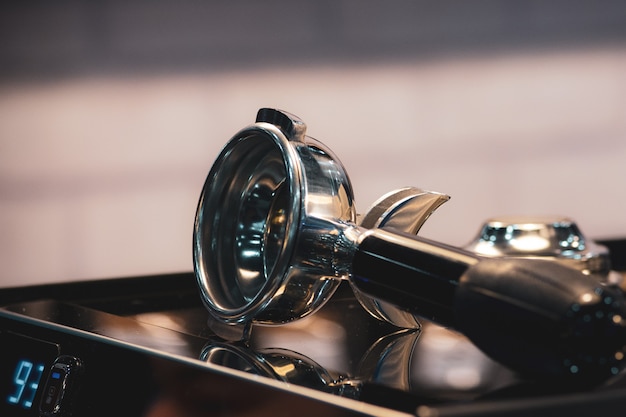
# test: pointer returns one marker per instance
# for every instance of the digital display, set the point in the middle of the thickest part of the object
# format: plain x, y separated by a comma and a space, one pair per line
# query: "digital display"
26, 379
23, 366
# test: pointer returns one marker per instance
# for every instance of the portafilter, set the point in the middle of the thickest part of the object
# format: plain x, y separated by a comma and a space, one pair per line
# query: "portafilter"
275, 234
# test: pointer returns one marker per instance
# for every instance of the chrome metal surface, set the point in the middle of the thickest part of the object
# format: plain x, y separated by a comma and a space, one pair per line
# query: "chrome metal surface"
270, 204
405, 209
557, 238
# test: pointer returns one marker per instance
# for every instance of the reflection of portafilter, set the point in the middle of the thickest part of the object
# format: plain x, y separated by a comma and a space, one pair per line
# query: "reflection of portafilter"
386, 362
275, 232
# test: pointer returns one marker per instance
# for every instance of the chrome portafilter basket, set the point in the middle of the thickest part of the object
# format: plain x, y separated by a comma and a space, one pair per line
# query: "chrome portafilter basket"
262, 251
276, 232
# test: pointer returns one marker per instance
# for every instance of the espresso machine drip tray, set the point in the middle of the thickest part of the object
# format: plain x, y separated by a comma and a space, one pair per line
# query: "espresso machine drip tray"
142, 346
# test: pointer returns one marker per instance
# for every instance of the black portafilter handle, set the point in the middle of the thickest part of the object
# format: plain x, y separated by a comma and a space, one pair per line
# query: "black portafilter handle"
540, 318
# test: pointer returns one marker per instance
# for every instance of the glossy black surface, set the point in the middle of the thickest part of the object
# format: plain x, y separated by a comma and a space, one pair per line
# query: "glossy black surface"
147, 351
135, 368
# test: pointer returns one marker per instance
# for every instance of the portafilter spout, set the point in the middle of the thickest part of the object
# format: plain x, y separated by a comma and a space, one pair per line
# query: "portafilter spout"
275, 234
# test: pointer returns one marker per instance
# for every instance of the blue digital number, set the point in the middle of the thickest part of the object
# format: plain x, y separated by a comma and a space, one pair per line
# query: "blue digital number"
25, 382
32, 386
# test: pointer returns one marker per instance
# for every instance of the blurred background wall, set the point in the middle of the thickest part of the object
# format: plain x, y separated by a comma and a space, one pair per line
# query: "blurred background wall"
112, 112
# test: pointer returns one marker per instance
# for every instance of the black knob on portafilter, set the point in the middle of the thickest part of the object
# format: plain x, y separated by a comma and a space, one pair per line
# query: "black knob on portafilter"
275, 233
537, 317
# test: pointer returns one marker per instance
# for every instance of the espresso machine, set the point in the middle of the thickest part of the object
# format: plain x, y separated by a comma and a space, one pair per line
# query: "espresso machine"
298, 304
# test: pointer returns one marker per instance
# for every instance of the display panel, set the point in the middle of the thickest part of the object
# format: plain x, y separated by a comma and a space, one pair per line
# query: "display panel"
23, 367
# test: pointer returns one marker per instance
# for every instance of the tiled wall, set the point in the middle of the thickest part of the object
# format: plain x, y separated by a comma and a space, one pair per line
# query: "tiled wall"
103, 156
